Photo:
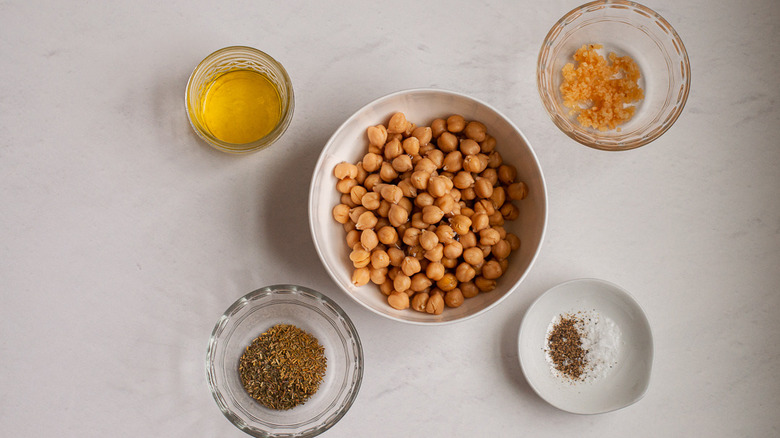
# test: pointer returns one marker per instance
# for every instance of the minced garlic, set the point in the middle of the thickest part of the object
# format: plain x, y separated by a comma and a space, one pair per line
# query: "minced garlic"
600, 92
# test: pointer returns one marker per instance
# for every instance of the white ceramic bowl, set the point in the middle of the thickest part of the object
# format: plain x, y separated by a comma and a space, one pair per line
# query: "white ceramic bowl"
349, 143
622, 385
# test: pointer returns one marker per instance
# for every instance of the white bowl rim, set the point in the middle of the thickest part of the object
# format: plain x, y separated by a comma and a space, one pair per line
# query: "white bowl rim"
354, 115
631, 298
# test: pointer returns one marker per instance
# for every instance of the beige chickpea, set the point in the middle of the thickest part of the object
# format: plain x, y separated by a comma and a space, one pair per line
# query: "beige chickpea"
349, 226
468, 289
484, 284
397, 215
377, 275
465, 272
469, 147
510, 211
456, 123
379, 259
371, 200
488, 144
361, 276
448, 282
453, 250
498, 197
507, 174
445, 233
449, 263
341, 213
402, 163
409, 129
428, 240
411, 236
346, 199
380, 223
438, 127
492, 270
475, 131
447, 142
473, 256
460, 224
401, 282
468, 240
396, 256
514, 241
517, 191
346, 184
425, 165
372, 180
491, 175
398, 300
436, 156
446, 203
424, 199
410, 266
406, 204
468, 194
390, 192
359, 255
483, 188
369, 239
435, 304
432, 214
453, 162
362, 173
504, 264
495, 160
484, 206
435, 271
392, 149
387, 235
411, 146
496, 219
479, 221
436, 253
423, 134
355, 213
456, 196
489, 237
365, 221
486, 249
471, 163
420, 282
386, 287
501, 250
353, 238
417, 222
377, 135
374, 150
356, 194
397, 123
466, 211
419, 301
387, 173
453, 298
483, 162
345, 170
419, 179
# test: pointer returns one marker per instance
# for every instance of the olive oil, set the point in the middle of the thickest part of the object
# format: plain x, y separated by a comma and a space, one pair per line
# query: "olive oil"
241, 106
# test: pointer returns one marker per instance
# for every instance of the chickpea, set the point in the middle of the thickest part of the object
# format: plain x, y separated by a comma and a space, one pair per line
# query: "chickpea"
483, 188
380, 259
446, 204
484, 206
496, 219
475, 131
453, 162
387, 235
432, 214
369, 239
460, 224
420, 179
438, 127
447, 142
398, 300
509, 211
387, 173
469, 147
436, 253
361, 276
377, 276
453, 298
419, 301
483, 162
463, 180
424, 199
455, 193
466, 211
495, 160
425, 165
402, 163
489, 237
471, 163
353, 238
465, 272
455, 123
359, 255
517, 191
436, 156
468, 289
484, 284
435, 271
346, 199
468, 194
365, 221
445, 233
411, 146
397, 215
507, 173
396, 256
397, 123
501, 250
479, 221
346, 184
341, 213
435, 304
492, 270
420, 282
393, 149
447, 282
468, 240
498, 197
411, 236
349, 226
377, 135
356, 194
386, 287
504, 264
514, 241
406, 204
370, 200
372, 180
402, 282
491, 175
389, 192
355, 213
428, 240
423, 134
453, 250
410, 266
362, 173
345, 170
488, 144
473, 256
374, 150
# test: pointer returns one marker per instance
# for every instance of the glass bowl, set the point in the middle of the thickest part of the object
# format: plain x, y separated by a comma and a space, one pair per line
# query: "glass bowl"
349, 143
233, 59
625, 28
310, 311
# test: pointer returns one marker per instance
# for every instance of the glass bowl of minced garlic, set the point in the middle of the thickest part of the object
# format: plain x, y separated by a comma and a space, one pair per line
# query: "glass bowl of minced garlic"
613, 75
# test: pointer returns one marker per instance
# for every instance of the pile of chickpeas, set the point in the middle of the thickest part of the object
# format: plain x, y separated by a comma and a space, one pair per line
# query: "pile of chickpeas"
424, 212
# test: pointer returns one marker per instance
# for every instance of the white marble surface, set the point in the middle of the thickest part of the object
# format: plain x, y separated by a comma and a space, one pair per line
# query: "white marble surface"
124, 237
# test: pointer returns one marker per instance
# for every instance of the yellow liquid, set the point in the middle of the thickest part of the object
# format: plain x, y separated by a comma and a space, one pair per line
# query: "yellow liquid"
241, 106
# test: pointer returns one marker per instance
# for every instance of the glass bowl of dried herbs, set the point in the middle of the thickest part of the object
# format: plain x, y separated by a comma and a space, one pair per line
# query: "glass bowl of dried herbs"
284, 360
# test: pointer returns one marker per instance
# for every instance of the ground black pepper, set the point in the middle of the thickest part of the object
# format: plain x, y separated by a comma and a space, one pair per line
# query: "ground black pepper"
564, 346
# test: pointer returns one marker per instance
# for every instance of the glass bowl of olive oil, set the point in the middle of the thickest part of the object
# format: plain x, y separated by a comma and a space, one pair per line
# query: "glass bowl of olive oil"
259, 386
239, 99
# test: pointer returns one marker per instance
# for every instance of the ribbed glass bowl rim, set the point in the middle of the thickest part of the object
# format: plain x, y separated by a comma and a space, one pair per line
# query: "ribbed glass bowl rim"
588, 139
258, 294
256, 145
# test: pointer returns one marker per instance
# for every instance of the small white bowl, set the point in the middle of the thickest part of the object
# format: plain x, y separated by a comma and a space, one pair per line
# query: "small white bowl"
349, 143
624, 384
